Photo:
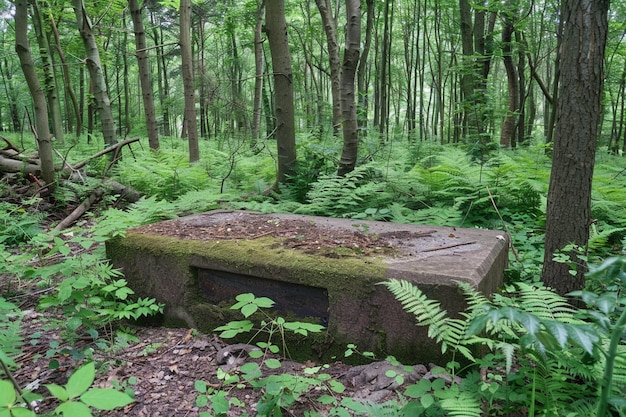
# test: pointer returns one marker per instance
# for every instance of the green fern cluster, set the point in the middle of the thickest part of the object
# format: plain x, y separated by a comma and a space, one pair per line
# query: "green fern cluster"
346, 196
534, 336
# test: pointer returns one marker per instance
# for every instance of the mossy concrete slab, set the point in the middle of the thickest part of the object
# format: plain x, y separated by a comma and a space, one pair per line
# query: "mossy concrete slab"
195, 266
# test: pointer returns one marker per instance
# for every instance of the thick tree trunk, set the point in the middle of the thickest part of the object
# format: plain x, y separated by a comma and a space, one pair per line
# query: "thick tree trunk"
348, 100
145, 75
568, 214
100, 95
42, 130
276, 27
330, 29
188, 80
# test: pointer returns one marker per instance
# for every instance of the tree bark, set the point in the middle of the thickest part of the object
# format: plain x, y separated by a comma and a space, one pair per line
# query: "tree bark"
330, 29
276, 27
145, 75
348, 100
258, 72
50, 86
362, 69
66, 79
507, 133
188, 80
568, 214
100, 95
42, 130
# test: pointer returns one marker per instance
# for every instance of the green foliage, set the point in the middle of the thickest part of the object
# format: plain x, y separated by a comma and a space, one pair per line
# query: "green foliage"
10, 337
17, 225
533, 335
77, 397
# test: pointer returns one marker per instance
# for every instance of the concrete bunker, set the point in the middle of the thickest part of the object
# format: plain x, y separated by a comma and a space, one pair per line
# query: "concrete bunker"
315, 268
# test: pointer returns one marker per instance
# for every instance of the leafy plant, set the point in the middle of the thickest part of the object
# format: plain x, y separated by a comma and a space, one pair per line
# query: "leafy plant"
533, 335
77, 397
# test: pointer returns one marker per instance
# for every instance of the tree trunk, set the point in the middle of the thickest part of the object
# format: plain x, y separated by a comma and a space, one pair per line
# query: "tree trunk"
258, 72
362, 70
348, 100
100, 95
330, 29
42, 130
188, 80
66, 79
276, 26
50, 86
507, 133
568, 214
145, 76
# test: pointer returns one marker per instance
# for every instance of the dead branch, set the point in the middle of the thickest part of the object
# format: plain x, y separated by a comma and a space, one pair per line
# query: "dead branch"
80, 210
112, 148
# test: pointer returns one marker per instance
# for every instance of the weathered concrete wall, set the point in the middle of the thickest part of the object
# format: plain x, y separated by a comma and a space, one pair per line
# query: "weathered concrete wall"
359, 311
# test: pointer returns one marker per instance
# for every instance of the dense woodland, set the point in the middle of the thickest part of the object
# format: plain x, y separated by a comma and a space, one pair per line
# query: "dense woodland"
498, 114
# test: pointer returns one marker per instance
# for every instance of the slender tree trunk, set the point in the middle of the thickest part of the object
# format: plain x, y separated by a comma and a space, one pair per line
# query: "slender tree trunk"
7, 75
258, 72
348, 100
145, 75
383, 80
507, 133
188, 80
42, 130
66, 79
330, 29
363, 68
100, 95
276, 27
568, 213
50, 86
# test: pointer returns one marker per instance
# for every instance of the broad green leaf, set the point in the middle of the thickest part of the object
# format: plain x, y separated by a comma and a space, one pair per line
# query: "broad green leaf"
7, 394
22, 412
105, 398
81, 380
337, 386
249, 309
326, 399
272, 363
419, 389
583, 336
219, 403
557, 330
427, 400
264, 302
58, 391
73, 409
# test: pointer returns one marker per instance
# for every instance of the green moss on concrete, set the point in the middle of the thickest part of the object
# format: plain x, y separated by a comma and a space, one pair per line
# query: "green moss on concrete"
265, 257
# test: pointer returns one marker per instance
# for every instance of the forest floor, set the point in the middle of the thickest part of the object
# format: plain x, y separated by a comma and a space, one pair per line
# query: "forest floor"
163, 364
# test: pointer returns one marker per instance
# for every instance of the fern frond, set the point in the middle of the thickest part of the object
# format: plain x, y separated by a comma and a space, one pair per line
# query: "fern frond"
463, 404
450, 333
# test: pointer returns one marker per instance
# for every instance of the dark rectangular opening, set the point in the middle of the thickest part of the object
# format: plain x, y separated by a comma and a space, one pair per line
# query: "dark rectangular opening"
301, 300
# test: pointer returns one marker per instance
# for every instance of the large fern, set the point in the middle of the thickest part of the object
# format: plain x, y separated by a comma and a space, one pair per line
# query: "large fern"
449, 332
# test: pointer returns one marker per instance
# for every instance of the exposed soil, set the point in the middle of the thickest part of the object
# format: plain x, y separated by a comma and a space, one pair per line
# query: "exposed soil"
293, 233
164, 364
